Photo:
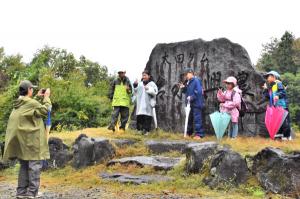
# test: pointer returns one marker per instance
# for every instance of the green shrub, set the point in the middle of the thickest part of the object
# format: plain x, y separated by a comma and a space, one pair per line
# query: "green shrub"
73, 104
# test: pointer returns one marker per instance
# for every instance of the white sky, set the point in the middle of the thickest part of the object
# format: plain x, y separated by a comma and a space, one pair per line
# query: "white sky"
122, 33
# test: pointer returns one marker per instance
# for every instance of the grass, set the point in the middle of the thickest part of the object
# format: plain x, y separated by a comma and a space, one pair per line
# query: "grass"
63, 179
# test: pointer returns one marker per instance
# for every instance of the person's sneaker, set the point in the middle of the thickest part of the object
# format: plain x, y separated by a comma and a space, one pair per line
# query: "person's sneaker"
278, 135
111, 128
26, 195
121, 130
197, 137
284, 139
39, 195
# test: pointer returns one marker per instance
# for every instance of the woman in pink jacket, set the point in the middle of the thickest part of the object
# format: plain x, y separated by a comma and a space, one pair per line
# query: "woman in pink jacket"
231, 103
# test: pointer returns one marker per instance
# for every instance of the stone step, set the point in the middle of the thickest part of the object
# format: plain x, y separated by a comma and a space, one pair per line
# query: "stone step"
157, 162
163, 146
134, 179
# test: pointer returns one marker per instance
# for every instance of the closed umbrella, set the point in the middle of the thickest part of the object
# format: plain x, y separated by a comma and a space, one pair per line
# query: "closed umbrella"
274, 119
187, 113
220, 123
48, 123
154, 117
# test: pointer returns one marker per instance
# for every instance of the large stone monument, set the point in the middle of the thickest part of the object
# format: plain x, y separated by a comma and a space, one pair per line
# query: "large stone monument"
212, 61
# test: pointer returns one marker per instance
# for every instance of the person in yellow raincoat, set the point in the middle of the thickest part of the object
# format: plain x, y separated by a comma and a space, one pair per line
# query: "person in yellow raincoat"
26, 138
120, 95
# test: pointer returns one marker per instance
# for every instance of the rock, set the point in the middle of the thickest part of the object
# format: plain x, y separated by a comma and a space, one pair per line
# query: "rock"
83, 152
1, 148
59, 154
278, 172
6, 164
121, 143
198, 154
157, 162
166, 146
88, 151
126, 178
212, 61
228, 168
103, 150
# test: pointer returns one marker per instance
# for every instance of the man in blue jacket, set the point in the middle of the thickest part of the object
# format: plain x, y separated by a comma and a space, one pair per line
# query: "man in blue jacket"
194, 95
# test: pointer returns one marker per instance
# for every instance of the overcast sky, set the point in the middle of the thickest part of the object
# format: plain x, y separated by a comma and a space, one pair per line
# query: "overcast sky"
122, 33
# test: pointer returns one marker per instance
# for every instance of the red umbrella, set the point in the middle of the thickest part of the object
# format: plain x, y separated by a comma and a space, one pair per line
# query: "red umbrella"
273, 119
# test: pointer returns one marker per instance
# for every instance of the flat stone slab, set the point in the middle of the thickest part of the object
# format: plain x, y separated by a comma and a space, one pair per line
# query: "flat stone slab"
132, 179
121, 143
157, 162
157, 146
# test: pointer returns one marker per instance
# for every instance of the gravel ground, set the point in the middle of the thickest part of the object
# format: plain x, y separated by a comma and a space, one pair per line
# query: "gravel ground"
7, 191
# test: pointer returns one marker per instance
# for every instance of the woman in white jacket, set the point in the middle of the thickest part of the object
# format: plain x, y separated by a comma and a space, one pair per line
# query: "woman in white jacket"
145, 92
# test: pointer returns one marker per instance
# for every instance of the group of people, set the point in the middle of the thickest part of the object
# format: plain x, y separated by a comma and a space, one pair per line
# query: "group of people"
230, 100
26, 137
121, 95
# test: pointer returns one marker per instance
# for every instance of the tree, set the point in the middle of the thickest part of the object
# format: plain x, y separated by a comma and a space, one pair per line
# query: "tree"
94, 72
296, 52
284, 54
280, 55
267, 61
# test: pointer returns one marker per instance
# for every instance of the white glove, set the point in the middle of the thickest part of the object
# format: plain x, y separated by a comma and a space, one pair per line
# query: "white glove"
188, 98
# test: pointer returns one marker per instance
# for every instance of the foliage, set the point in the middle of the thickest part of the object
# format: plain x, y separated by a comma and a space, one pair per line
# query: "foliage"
78, 87
281, 55
293, 91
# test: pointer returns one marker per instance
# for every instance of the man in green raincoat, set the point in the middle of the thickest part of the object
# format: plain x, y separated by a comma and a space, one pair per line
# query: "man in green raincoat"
26, 138
120, 95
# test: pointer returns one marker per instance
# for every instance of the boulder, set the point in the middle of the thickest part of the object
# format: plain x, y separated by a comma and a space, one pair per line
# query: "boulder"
157, 162
103, 150
59, 154
212, 62
199, 154
166, 146
132, 179
88, 151
1, 148
7, 164
227, 168
278, 172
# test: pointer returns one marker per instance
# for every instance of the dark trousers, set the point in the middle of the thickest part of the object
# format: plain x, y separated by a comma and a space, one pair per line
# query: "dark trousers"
195, 122
285, 129
124, 112
29, 177
143, 123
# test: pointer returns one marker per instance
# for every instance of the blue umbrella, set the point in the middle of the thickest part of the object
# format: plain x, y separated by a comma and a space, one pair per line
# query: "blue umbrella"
48, 123
220, 123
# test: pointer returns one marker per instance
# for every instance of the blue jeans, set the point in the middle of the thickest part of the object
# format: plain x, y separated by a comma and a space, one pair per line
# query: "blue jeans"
234, 130
195, 122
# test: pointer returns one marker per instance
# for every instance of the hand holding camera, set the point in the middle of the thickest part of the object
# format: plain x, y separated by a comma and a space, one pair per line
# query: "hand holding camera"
44, 92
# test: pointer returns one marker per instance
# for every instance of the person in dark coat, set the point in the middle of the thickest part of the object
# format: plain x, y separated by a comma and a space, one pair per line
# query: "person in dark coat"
194, 95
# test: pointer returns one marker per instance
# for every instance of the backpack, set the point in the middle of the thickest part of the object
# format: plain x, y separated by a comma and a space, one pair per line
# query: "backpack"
244, 107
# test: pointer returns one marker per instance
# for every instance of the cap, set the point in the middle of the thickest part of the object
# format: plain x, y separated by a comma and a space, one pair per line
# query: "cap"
274, 73
121, 70
188, 70
26, 84
231, 79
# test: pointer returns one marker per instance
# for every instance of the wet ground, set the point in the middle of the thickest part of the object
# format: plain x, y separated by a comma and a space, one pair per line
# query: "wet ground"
7, 191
